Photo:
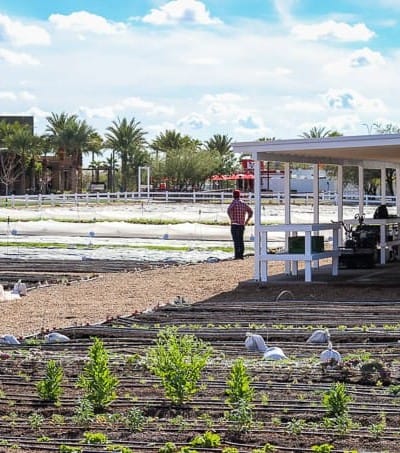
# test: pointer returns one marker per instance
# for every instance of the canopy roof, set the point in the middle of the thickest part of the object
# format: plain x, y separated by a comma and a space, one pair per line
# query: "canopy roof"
373, 151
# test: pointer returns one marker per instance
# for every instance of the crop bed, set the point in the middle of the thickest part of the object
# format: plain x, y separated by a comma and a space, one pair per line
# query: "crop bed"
287, 414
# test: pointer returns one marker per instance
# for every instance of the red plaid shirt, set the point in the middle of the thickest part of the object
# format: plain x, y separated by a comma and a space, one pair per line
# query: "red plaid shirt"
237, 211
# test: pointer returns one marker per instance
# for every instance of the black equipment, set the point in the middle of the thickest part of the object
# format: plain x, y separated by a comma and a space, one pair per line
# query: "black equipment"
361, 246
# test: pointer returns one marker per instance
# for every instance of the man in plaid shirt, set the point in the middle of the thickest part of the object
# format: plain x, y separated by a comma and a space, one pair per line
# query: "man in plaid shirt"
239, 213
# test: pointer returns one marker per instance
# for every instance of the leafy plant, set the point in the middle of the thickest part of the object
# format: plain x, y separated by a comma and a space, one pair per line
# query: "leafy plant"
178, 360
69, 449
36, 420
267, 448
168, 447
323, 448
336, 400
241, 416
96, 379
239, 385
43, 439
95, 438
119, 448
240, 397
206, 440
135, 420
377, 429
296, 426
342, 423
49, 388
394, 389
84, 413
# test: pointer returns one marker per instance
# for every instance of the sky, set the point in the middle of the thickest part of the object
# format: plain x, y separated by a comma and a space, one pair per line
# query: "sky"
247, 69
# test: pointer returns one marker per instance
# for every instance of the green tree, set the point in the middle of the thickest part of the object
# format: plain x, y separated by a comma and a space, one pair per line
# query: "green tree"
23, 148
127, 139
72, 137
240, 397
97, 379
190, 166
49, 388
167, 146
336, 401
169, 140
320, 132
239, 384
222, 144
27, 146
178, 360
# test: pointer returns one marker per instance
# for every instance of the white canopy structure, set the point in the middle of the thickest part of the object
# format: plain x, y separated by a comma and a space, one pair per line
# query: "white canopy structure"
365, 151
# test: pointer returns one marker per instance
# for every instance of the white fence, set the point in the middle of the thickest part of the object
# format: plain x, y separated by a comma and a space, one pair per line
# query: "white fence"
12, 201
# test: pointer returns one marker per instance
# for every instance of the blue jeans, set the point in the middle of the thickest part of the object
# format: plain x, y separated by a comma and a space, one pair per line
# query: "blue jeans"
237, 232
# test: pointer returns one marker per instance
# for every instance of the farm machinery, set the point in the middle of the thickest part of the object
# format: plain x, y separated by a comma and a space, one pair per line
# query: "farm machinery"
361, 245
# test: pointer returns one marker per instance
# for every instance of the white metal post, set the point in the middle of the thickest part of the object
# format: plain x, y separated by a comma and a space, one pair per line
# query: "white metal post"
287, 210
383, 185
360, 190
257, 219
339, 190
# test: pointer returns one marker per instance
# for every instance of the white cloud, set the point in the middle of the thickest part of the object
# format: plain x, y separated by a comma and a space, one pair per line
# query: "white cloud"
20, 34
193, 121
365, 57
333, 30
223, 107
15, 96
203, 61
250, 122
84, 22
344, 124
37, 112
278, 71
352, 100
27, 96
8, 96
303, 106
222, 97
131, 103
181, 11
358, 60
250, 126
17, 58
156, 129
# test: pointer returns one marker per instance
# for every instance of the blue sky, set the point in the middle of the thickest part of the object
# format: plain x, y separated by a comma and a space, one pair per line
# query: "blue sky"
248, 69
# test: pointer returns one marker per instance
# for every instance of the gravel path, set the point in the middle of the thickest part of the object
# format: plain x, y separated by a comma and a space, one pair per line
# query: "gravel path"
122, 294
119, 294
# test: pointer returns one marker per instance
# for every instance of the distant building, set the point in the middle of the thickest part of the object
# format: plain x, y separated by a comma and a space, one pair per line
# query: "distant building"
21, 119
272, 179
56, 174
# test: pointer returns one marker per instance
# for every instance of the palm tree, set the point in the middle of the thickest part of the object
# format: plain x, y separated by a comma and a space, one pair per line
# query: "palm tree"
28, 147
127, 139
71, 137
19, 141
169, 140
223, 145
320, 132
